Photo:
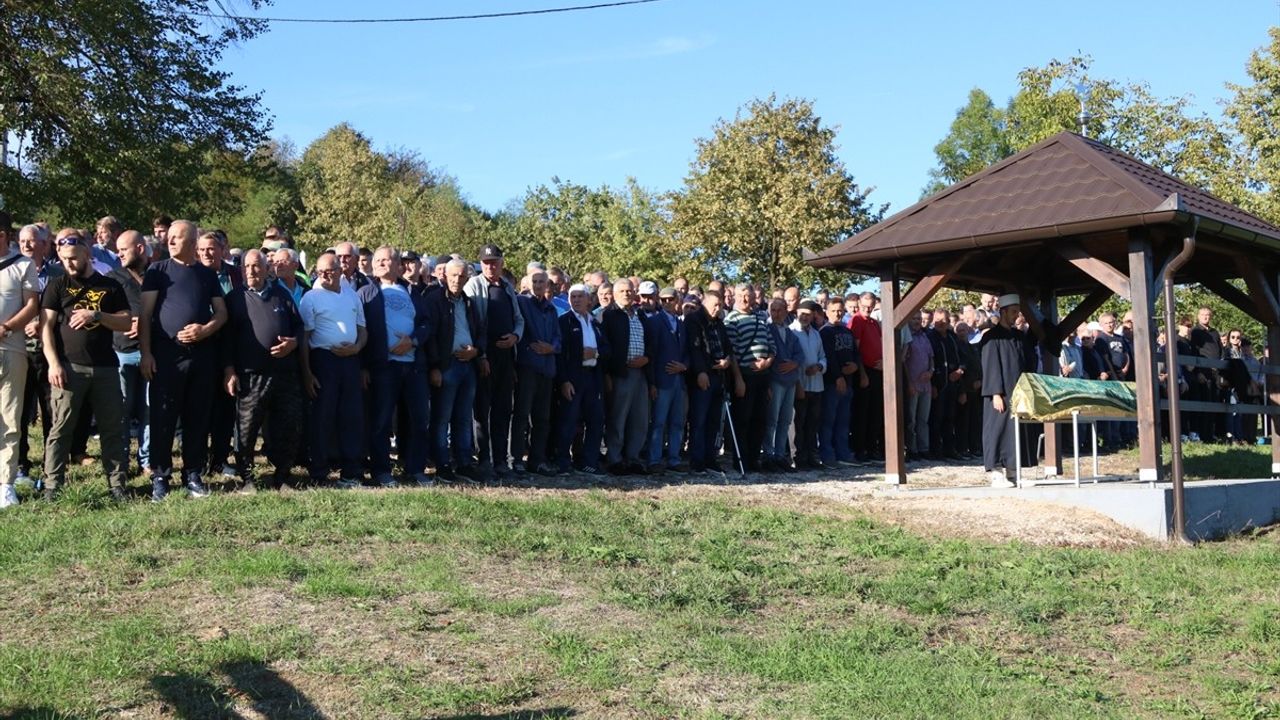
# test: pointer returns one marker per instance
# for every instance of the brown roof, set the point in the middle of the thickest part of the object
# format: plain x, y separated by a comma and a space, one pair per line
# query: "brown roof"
1065, 185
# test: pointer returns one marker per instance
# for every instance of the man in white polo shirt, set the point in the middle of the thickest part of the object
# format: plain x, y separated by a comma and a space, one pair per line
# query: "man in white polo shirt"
333, 318
18, 306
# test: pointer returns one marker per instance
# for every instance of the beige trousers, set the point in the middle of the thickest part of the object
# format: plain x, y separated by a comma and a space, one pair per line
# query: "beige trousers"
13, 380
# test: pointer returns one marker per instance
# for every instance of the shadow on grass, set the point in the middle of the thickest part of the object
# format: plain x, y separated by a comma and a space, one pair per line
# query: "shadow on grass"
546, 714
256, 687
38, 713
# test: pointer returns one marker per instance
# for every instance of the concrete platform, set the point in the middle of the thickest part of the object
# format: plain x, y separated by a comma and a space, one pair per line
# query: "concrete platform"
1215, 508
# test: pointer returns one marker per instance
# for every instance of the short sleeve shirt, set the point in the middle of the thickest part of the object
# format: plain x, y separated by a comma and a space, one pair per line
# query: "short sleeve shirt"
89, 345
332, 318
17, 279
185, 296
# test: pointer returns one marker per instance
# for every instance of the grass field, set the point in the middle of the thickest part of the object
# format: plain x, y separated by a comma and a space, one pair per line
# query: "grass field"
687, 603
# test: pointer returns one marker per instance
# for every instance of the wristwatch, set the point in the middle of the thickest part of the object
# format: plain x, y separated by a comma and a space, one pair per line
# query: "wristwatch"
97, 316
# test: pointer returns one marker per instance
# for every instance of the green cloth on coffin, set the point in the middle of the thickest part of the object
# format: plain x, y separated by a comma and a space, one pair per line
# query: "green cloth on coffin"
1047, 398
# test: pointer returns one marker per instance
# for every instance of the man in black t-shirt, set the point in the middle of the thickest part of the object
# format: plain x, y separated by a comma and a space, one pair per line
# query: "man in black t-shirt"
82, 310
182, 309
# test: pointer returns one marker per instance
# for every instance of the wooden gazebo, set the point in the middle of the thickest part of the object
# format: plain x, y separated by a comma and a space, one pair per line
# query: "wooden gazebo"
1068, 216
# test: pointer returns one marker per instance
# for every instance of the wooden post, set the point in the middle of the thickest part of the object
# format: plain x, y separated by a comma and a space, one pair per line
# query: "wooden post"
895, 450
1140, 285
1049, 349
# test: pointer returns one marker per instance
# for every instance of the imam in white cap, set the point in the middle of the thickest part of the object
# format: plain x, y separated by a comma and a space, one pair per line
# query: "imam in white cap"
1010, 299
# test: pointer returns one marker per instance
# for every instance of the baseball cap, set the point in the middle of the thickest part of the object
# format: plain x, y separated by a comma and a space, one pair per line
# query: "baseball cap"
490, 252
410, 255
648, 287
667, 292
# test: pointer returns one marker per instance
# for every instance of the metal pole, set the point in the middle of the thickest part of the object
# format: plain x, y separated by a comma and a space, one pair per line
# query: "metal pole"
1179, 530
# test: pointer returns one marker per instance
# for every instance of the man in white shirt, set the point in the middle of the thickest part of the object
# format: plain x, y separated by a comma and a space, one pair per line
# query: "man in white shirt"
18, 306
333, 319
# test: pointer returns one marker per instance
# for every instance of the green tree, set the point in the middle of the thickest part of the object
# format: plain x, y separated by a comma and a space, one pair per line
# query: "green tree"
1254, 112
763, 188
116, 105
978, 138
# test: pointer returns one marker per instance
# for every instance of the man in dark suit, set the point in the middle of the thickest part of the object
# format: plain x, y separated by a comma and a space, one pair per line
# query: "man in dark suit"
579, 383
670, 355
456, 359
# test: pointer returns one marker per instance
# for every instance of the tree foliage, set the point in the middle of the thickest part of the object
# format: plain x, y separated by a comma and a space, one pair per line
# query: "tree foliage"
117, 105
763, 188
1254, 111
978, 138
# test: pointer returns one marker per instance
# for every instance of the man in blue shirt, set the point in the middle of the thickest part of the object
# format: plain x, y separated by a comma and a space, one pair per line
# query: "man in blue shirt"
535, 371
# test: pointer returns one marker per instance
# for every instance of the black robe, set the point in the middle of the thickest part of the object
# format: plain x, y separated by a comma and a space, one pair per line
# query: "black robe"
1004, 357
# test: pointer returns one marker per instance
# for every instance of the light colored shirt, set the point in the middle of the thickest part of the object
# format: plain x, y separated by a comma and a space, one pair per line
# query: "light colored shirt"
400, 316
16, 280
588, 338
814, 354
332, 318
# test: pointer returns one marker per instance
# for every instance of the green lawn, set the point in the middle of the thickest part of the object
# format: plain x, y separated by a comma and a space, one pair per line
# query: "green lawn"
445, 603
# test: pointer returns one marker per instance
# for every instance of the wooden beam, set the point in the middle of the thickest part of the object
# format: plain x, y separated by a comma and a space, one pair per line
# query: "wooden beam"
1099, 270
895, 448
923, 289
1087, 307
1235, 296
1273, 395
1052, 464
1144, 361
1260, 291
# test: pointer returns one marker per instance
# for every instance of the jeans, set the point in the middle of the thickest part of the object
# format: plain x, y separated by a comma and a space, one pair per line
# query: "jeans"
706, 414
451, 415
777, 420
136, 408
667, 424
918, 406
397, 380
833, 436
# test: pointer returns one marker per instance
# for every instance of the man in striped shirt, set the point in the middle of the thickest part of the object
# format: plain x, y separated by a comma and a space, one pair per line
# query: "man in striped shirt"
754, 350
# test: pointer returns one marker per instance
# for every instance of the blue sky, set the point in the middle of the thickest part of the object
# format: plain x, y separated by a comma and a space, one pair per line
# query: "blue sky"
594, 97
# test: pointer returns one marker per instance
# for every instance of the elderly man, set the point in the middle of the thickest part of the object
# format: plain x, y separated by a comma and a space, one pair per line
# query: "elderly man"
712, 369
868, 416
630, 375
454, 355
131, 248
261, 370
784, 379
918, 363
670, 355
604, 300
104, 236
535, 372
33, 242
349, 263
334, 324
812, 390
837, 399
182, 310
19, 295
580, 383
82, 309
754, 350
396, 366
495, 301
285, 262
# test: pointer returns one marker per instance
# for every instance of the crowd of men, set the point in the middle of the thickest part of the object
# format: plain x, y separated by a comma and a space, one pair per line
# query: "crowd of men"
378, 364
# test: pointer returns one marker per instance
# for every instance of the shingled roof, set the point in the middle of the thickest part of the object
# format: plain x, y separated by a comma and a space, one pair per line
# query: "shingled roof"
1067, 185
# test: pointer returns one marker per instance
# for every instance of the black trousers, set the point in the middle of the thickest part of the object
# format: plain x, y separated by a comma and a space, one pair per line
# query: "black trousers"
749, 417
35, 396
868, 416
337, 415
808, 419
222, 426
494, 396
997, 437
276, 399
181, 390
531, 424
942, 420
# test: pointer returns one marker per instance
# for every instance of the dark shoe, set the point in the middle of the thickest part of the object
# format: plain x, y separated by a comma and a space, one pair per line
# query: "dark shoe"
714, 467
636, 468
159, 488
682, 467
469, 474
519, 469
546, 470
592, 470
118, 494
195, 488
445, 474
618, 469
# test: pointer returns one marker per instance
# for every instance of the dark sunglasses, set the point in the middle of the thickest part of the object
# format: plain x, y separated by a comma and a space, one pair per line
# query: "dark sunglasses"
68, 241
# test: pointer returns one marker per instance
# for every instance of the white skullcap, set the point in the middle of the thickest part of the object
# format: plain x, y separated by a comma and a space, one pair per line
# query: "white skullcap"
1010, 299
579, 287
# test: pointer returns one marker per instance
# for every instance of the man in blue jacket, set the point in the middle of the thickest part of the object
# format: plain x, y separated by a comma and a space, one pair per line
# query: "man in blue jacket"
670, 354
535, 372
456, 359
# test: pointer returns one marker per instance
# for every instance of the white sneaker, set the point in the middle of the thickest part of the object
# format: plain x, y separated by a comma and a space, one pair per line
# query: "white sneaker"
998, 480
8, 497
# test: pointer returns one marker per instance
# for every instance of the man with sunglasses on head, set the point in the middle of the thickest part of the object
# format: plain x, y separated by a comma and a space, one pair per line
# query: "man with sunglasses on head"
182, 309
82, 310
18, 305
